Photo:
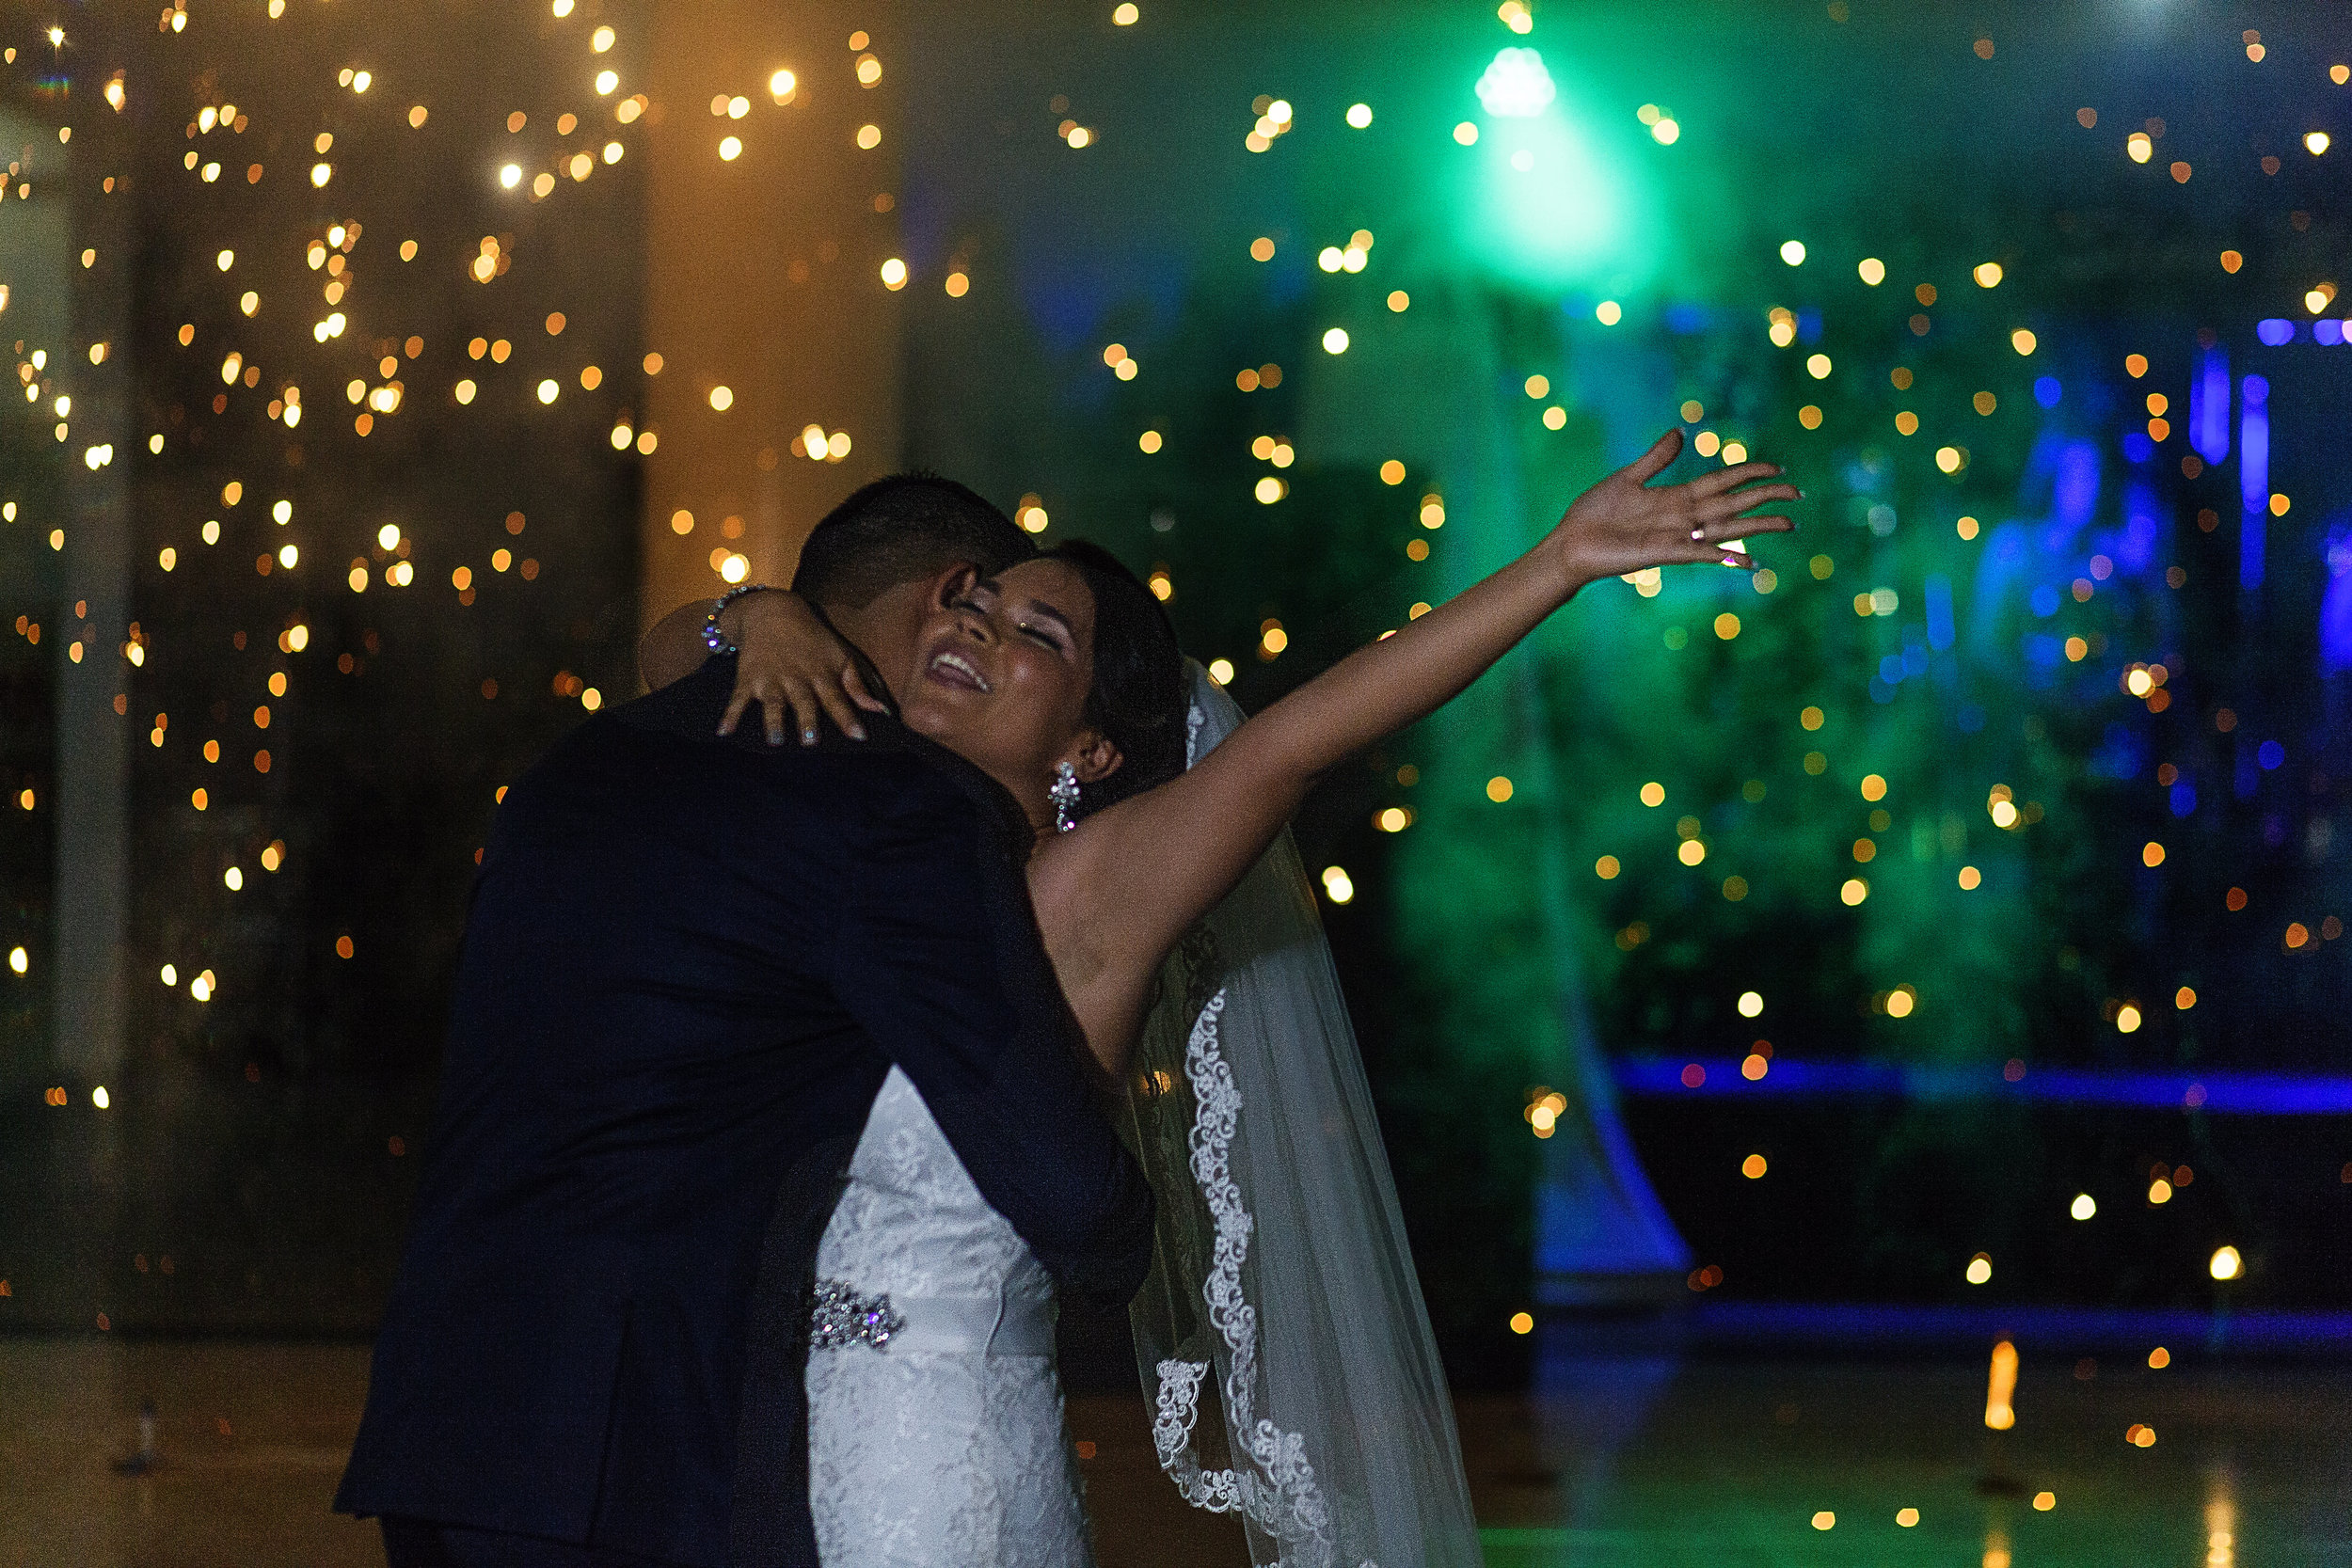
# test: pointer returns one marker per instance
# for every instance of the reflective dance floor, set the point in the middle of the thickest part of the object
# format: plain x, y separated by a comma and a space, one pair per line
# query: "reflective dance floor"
1622, 1460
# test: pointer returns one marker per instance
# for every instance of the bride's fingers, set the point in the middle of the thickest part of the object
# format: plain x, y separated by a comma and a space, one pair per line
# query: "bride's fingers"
1726, 479
837, 707
855, 685
1747, 527
774, 701
737, 700
1732, 502
1653, 462
800, 697
1766, 485
1714, 531
1716, 555
1700, 553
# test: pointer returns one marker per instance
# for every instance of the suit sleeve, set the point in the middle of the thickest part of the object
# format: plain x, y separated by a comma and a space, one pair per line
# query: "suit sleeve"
939, 961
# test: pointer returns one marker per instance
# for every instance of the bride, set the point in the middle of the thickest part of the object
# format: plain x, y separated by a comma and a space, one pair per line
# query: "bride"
936, 1419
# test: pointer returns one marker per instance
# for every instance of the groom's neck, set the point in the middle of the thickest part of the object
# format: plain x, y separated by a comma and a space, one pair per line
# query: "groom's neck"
885, 630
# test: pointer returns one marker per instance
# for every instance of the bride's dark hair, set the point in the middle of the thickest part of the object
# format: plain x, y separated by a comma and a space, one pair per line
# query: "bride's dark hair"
1138, 699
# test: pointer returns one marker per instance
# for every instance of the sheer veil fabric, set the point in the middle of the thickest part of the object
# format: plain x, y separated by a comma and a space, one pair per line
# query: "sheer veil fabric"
1282, 1334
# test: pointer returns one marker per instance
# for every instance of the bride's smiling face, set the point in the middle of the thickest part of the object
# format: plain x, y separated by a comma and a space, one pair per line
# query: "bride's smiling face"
1003, 669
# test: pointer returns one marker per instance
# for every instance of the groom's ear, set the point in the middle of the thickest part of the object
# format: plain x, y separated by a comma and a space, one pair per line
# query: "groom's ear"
1097, 758
954, 584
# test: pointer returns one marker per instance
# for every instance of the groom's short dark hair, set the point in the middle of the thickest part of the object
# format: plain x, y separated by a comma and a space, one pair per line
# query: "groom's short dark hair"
901, 527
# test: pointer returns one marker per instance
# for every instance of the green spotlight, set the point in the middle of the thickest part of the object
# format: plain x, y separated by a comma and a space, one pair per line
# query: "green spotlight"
1515, 86
1546, 209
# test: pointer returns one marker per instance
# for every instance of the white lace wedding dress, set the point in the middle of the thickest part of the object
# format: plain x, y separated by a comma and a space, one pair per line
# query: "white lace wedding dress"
935, 1427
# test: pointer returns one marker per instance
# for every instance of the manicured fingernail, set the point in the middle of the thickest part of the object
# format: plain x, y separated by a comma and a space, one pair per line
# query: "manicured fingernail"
857, 732
808, 737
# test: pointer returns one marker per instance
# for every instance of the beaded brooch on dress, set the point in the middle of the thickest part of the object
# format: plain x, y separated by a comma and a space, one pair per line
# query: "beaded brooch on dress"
842, 1317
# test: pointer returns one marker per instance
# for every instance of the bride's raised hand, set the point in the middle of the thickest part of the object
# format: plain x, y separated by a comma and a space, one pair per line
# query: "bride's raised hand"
1625, 524
792, 662
1190, 840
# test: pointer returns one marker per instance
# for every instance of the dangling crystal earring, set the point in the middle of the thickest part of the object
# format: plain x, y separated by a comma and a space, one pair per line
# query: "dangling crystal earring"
1065, 796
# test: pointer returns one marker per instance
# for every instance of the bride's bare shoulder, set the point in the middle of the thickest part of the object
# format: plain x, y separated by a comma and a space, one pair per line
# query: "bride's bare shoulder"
1083, 884
1065, 865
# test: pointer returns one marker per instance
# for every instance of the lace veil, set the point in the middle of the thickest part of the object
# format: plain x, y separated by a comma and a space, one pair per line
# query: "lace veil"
1282, 1334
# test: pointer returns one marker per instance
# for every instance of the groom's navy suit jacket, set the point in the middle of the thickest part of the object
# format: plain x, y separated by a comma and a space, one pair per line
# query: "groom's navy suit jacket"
689, 966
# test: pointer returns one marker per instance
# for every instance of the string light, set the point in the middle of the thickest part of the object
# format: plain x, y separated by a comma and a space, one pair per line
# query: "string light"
357, 293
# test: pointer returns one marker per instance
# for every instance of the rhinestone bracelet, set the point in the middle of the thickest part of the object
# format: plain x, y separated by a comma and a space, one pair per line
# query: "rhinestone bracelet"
715, 639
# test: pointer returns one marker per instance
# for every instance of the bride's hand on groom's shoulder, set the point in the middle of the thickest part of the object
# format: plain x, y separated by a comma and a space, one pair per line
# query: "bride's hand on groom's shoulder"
1627, 524
794, 667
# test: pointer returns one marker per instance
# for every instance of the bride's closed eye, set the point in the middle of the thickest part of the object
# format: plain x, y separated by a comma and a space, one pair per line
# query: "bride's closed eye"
1035, 619
1047, 637
1046, 626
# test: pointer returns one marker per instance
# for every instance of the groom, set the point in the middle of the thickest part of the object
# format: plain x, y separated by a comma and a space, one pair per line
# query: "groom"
690, 964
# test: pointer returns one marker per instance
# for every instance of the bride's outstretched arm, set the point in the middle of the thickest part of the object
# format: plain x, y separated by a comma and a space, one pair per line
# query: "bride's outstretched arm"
1146, 868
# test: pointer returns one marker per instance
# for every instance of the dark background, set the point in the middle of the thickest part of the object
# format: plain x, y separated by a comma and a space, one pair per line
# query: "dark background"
264, 1142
